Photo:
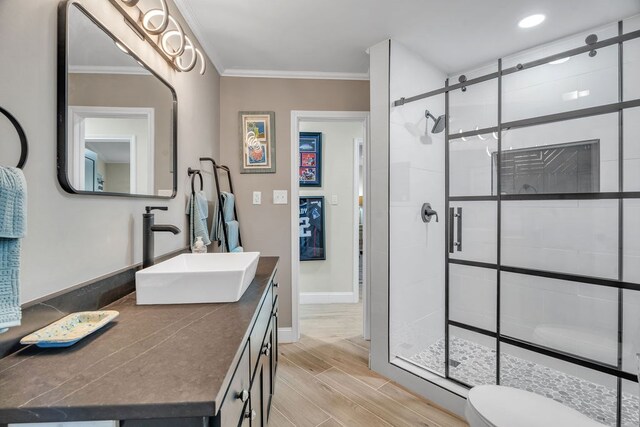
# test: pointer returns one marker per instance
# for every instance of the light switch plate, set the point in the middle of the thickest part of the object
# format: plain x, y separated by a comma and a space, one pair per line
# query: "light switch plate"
257, 197
334, 199
279, 197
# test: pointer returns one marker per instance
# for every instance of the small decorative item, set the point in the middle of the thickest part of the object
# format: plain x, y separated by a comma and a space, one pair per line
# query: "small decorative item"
257, 133
70, 329
312, 229
310, 149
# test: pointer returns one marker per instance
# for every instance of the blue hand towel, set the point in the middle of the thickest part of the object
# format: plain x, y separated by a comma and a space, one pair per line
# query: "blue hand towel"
227, 208
13, 203
228, 218
216, 225
198, 210
233, 232
13, 226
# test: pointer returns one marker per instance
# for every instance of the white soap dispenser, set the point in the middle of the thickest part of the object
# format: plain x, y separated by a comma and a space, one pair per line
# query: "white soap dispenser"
199, 246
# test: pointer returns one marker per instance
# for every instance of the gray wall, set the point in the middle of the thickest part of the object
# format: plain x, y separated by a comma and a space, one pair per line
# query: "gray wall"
72, 239
267, 227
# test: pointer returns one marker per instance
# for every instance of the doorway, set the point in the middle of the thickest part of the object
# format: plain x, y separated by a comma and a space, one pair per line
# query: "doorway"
329, 182
111, 149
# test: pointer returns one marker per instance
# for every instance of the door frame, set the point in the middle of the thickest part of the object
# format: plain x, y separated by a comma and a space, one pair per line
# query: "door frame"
298, 116
77, 114
133, 150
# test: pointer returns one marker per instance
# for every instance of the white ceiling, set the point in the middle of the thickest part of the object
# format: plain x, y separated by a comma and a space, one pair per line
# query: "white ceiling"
330, 37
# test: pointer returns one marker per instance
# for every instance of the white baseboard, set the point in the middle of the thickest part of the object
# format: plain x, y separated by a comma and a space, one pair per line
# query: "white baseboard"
328, 298
285, 335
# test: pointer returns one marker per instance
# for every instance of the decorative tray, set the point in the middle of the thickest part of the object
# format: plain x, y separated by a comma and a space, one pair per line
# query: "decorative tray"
70, 329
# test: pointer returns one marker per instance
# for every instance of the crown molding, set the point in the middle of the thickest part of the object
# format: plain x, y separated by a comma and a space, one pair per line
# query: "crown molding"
276, 74
196, 28
194, 24
107, 69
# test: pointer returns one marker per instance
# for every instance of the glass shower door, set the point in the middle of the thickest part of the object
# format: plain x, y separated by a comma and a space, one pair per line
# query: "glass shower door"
471, 237
542, 224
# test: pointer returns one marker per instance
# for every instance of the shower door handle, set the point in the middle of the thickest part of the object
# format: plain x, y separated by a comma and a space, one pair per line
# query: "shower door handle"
458, 243
450, 231
455, 217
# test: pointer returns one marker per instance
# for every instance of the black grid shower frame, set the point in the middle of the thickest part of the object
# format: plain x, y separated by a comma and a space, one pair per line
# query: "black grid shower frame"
619, 364
613, 370
448, 225
498, 223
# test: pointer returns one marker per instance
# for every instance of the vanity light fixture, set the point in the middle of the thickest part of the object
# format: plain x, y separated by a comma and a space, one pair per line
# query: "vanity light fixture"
531, 21
188, 48
575, 94
176, 31
167, 34
152, 13
121, 47
203, 64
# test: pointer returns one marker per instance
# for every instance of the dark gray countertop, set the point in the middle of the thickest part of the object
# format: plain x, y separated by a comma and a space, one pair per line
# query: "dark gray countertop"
160, 361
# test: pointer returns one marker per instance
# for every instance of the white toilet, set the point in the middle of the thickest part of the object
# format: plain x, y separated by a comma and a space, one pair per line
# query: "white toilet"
500, 406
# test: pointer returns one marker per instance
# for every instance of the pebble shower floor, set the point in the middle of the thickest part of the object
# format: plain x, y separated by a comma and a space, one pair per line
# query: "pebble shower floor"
475, 364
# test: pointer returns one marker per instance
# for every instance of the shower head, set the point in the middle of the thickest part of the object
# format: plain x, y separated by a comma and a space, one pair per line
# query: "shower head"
439, 124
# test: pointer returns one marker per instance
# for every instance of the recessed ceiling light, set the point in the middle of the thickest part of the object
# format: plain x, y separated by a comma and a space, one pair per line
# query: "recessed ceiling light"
560, 61
531, 21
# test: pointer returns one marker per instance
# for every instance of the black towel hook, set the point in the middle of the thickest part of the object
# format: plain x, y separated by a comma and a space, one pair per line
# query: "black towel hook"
192, 173
23, 137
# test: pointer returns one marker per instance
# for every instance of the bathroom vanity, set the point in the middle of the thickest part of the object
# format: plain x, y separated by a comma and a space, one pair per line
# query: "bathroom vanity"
157, 365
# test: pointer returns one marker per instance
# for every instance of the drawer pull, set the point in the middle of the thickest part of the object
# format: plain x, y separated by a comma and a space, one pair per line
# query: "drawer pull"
243, 395
251, 414
266, 350
275, 284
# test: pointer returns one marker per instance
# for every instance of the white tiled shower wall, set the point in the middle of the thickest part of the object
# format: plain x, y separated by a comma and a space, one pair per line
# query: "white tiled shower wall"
578, 237
416, 176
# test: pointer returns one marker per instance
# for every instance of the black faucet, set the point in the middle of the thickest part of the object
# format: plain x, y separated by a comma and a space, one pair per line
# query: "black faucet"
148, 228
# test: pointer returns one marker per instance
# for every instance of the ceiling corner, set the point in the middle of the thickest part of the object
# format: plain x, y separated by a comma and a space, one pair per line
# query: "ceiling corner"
196, 29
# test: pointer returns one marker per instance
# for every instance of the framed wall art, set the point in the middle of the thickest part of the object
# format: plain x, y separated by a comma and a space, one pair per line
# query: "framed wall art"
310, 159
312, 244
257, 136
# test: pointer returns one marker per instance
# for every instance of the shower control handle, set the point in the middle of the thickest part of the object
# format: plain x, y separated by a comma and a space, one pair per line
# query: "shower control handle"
426, 212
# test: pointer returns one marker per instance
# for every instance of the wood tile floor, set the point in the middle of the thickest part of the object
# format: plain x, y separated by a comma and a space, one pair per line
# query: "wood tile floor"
323, 380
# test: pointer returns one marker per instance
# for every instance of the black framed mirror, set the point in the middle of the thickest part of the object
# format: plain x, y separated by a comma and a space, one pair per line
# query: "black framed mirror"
117, 118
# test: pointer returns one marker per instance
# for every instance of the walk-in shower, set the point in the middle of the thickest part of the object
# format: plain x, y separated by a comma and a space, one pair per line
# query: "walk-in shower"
532, 277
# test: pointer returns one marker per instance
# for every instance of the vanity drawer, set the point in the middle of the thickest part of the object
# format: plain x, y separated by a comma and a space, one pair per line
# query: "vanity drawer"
234, 403
260, 329
274, 345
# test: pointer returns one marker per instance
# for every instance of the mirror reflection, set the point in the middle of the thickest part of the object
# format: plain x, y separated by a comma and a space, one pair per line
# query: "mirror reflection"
120, 116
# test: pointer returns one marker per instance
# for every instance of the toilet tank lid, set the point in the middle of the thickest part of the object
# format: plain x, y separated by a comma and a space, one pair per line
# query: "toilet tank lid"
506, 406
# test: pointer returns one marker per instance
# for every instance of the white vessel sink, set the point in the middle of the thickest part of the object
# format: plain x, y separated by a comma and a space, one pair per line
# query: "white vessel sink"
197, 278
